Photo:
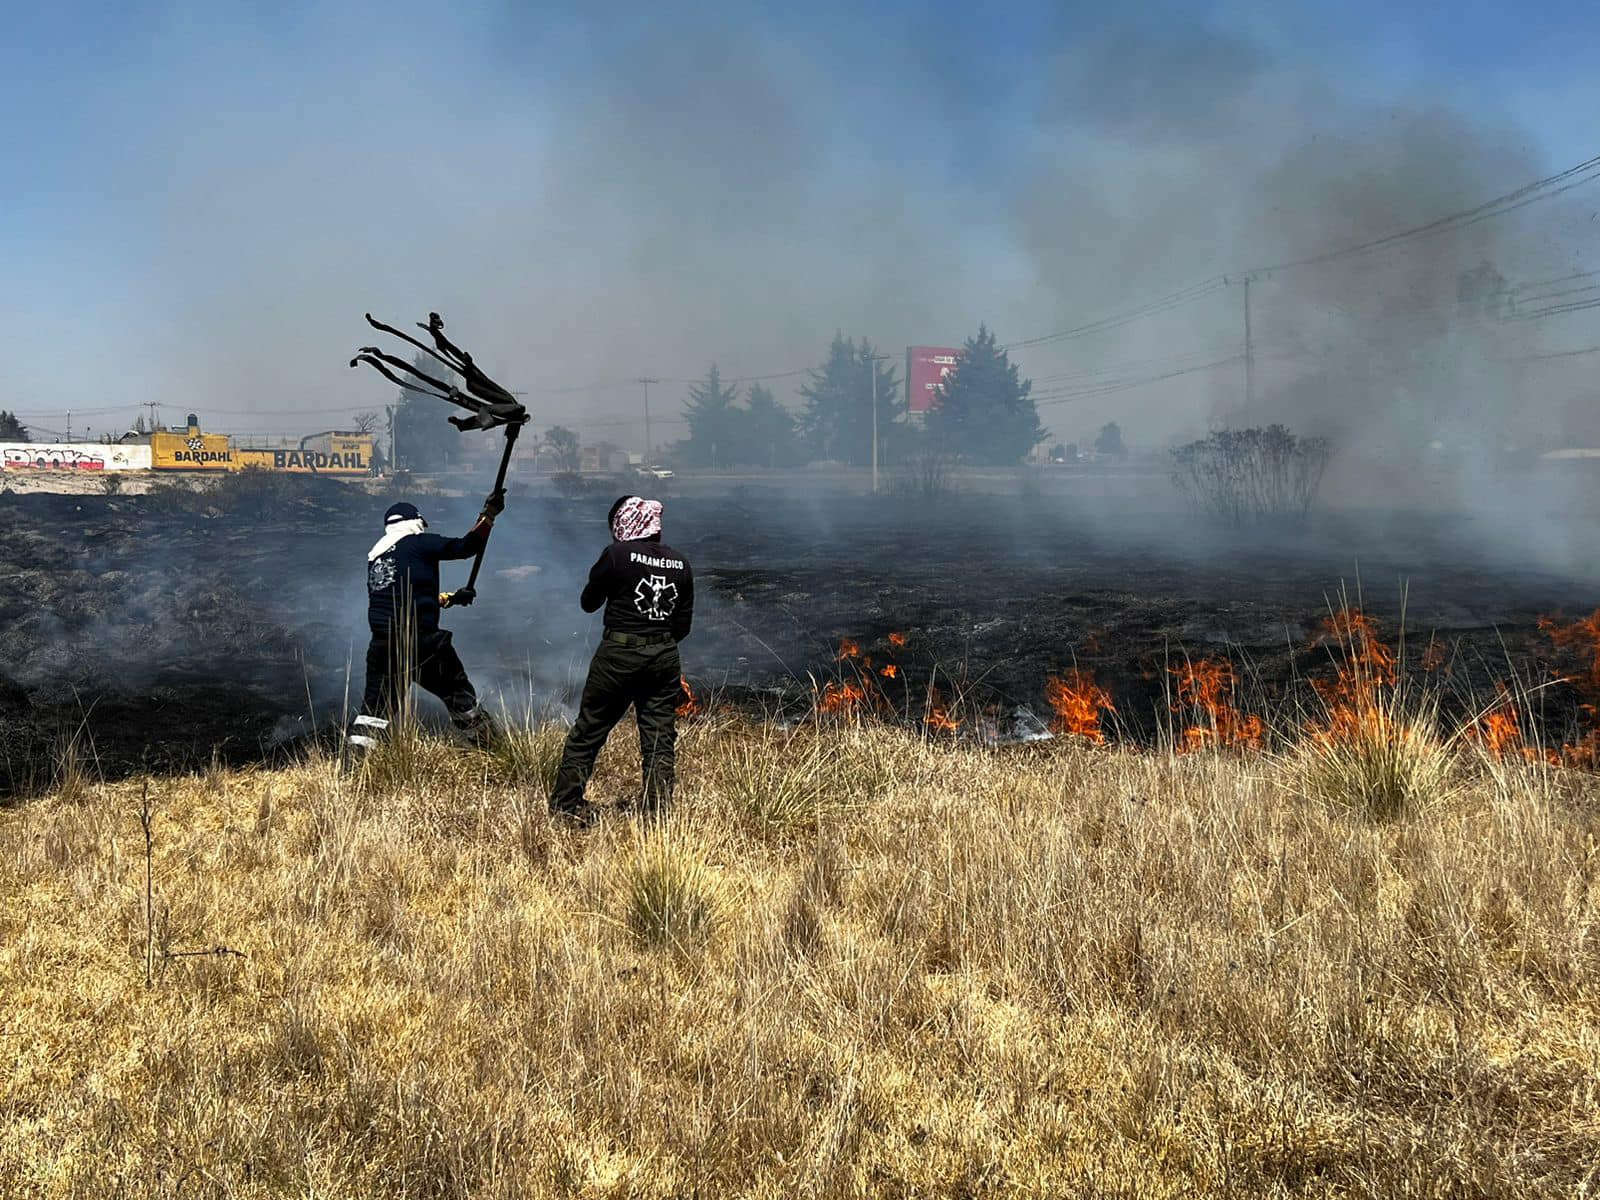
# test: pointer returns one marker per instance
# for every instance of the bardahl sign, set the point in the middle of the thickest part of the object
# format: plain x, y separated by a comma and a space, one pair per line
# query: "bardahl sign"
926, 367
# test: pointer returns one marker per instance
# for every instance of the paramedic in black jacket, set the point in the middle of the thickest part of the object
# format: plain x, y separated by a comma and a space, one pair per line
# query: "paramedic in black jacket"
403, 602
647, 589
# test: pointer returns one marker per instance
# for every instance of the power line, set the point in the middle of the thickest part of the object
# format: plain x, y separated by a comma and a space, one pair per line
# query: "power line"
1539, 190
1556, 309
1108, 389
1560, 354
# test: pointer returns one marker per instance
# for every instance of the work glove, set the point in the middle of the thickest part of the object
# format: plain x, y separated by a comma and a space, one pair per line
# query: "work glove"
494, 505
459, 598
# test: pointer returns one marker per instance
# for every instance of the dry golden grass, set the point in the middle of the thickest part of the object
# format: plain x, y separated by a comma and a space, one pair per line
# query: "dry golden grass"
1052, 971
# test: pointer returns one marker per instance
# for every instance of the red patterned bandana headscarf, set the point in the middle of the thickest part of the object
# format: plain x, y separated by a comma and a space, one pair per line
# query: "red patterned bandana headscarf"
637, 518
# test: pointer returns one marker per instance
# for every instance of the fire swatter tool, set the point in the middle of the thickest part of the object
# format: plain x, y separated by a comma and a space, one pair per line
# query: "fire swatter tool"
489, 405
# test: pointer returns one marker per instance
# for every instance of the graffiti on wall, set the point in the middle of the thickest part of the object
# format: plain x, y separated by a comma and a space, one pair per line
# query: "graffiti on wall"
79, 456
52, 458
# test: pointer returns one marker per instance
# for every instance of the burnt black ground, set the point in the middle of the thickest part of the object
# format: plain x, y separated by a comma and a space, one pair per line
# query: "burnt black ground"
176, 629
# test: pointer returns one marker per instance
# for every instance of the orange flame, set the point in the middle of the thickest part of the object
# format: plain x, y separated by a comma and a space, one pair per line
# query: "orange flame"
1581, 637
848, 648
688, 704
938, 716
897, 640
1206, 689
1352, 697
890, 672
1499, 729
846, 698
1078, 702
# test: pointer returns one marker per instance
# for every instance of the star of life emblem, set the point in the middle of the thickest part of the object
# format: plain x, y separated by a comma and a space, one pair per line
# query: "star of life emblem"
655, 597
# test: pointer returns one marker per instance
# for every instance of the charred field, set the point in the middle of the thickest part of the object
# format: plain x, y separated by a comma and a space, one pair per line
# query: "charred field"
172, 630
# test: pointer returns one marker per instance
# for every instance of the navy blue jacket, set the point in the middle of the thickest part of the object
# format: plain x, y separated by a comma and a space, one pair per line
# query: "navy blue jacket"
408, 573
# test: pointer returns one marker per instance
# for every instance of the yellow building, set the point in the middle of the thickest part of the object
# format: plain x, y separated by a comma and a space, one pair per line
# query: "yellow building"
329, 453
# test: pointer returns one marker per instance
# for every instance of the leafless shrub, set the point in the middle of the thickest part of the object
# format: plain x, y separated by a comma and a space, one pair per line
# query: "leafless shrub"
925, 476
1243, 476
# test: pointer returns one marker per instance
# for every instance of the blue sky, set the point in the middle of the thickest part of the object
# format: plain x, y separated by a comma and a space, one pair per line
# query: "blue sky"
200, 199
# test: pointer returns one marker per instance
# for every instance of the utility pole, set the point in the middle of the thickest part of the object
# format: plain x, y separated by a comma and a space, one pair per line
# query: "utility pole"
155, 414
389, 412
649, 449
1249, 354
872, 365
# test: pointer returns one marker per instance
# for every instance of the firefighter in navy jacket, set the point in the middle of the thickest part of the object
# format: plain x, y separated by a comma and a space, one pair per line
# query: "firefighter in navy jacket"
647, 590
403, 603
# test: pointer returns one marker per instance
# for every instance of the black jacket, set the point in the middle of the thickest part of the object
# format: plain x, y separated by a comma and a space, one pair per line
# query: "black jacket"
409, 572
646, 587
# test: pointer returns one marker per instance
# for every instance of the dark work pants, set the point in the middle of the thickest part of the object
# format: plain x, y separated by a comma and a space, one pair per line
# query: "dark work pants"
434, 665
646, 677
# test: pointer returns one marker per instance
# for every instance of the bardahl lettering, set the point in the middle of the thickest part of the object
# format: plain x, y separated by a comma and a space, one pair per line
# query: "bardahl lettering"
202, 456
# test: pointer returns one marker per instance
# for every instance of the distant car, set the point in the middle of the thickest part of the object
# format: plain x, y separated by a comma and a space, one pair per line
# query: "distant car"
658, 472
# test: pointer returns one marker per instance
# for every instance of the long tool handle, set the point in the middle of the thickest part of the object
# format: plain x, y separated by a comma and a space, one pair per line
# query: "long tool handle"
499, 482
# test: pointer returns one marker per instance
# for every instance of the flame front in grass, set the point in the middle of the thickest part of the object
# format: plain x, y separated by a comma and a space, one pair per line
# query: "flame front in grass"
1582, 638
688, 703
1078, 702
897, 640
938, 717
1205, 689
1499, 730
1366, 667
1368, 660
890, 672
848, 648
846, 698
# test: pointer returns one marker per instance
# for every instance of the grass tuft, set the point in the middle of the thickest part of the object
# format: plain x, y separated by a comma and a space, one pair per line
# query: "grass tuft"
1383, 761
788, 780
670, 894
528, 754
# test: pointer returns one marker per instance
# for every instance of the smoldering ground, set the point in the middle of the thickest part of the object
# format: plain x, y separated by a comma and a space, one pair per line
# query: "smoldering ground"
170, 632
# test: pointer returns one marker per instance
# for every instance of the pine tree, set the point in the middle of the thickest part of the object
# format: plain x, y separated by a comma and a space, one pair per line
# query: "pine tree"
769, 430
713, 422
422, 440
837, 421
563, 444
1109, 440
984, 410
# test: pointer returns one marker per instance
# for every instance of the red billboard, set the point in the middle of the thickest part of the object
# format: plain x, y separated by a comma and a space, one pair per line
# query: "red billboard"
926, 367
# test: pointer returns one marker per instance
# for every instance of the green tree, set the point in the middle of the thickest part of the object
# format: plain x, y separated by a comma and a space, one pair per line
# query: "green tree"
769, 430
11, 429
422, 440
837, 420
715, 423
563, 444
1109, 440
984, 410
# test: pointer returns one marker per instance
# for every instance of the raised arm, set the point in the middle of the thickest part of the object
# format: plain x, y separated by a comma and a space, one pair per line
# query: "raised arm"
478, 536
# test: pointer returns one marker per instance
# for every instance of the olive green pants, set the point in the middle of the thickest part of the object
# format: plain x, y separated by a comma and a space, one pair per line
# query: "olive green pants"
645, 677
